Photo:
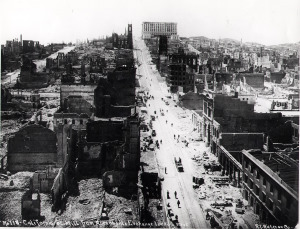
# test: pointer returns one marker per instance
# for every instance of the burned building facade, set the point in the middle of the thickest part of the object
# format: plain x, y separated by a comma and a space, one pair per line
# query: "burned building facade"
122, 41
234, 130
30, 46
115, 95
163, 45
271, 183
103, 115
30, 78
62, 62
32, 148
253, 80
182, 68
110, 145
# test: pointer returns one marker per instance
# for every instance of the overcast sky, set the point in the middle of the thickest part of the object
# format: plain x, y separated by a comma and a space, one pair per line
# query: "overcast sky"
264, 21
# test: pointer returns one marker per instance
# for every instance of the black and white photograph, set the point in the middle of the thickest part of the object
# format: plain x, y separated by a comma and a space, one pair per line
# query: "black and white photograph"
150, 114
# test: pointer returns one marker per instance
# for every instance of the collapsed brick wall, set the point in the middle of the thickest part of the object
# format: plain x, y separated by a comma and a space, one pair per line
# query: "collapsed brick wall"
124, 85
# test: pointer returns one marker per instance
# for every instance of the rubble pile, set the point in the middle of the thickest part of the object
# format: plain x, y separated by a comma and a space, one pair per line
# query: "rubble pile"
120, 209
12, 189
86, 206
210, 193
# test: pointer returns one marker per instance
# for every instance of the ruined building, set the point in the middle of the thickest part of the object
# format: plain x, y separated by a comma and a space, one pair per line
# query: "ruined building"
253, 80
163, 45
86, 91
32, 148
129, 37
182, 68
111, 145
271, 185
115, 96
97, 64
242, 140
30, 46
122, 41
62, 62
30, 78
43, 180
35, 147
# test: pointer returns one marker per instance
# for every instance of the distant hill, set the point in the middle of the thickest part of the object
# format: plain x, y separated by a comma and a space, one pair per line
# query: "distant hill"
201, 38
253, 43
291, 46
229, 40
294, 46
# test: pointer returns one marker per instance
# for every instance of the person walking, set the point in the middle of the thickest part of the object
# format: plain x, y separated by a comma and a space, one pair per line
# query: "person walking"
165, 170
175, 194
168, 194
178, 203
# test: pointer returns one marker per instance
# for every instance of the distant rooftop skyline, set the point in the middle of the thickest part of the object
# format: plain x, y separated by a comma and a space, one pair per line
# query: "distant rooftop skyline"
268, 22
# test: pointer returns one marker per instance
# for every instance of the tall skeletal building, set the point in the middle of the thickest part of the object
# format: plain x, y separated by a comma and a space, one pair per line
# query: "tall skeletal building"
151, 29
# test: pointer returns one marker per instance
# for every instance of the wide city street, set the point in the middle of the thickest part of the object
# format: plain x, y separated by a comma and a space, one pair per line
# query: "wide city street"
172, 127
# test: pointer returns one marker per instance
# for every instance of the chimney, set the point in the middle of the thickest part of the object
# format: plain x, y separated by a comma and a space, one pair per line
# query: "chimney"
21, 40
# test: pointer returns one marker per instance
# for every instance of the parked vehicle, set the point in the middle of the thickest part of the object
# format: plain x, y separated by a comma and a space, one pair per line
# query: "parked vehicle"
221, 204
239, 208
178, 164
153, 133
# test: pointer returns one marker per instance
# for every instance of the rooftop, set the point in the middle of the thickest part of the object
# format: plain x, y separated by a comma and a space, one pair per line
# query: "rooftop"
283, 169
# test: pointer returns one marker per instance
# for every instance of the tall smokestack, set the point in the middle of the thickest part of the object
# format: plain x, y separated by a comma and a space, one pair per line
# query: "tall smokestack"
21, 39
